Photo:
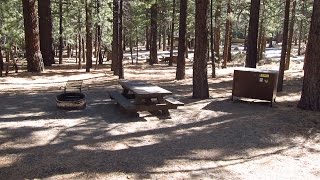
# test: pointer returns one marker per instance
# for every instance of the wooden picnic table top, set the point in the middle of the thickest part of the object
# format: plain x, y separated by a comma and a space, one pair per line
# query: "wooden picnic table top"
143, 89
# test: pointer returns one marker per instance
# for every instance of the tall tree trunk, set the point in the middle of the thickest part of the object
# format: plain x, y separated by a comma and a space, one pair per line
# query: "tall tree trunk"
153, 50
213, 72
79, 36
120, 50
172, 31
83, 51
230, 43
97, 49
60, 32
69, 51
252, 52
100, 58
99, 34
131, 49
261, 32
217, 30
164, 36
227, 44
137, 39
200, 79
291, 26
310, 97
181, 61
301, 28
89, 34
115, 38
7, 55
79, 54
169, 36
32, 44
159, 38
284, 46
76, 47
45, 28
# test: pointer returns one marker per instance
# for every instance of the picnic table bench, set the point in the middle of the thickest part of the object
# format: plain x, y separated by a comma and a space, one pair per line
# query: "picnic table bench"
140, 96
73, 85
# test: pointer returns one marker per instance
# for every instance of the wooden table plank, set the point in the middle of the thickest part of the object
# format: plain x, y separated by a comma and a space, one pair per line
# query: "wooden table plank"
146, 90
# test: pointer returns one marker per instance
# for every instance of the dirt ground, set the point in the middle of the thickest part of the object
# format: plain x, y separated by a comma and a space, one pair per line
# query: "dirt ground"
214, 138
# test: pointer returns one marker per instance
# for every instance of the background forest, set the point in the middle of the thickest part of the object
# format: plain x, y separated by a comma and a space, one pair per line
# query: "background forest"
69, 21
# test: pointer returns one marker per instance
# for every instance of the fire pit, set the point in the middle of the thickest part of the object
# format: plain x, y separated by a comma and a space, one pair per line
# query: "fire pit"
71, 101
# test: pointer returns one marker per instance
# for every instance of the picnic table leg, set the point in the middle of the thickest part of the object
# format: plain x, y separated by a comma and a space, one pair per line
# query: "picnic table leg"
162, 101
137, 101
149, 102
125, 91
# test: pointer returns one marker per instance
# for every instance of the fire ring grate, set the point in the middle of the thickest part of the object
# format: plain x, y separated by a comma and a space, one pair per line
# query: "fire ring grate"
71, 101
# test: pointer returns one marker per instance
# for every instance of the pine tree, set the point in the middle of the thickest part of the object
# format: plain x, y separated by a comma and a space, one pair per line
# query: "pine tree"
310, 97
32, 44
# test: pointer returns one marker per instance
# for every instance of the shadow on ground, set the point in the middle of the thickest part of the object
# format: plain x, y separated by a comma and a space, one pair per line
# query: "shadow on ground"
100, 139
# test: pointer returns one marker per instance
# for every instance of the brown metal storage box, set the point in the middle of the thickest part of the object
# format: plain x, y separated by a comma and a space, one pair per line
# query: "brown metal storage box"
255, 84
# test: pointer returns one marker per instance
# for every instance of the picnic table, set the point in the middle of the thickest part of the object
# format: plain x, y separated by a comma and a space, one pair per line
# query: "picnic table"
141, 96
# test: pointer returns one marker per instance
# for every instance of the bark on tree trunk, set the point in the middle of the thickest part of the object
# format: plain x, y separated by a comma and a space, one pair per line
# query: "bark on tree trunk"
230, 43
284, 46
99, 34
45, 28
252, 52
213, 72
137, 39
261, 32
60, 32
131, 49
100, 43
217, 31
83, 50
159, 38
79, 38
89, 34
154, 52
115, 38
181, 61
227, 44
200, 79
310, 98
164, 42
79, 54
76, 48
172, 31
120, 50
32, 44
69, 51
293, 16
301, 29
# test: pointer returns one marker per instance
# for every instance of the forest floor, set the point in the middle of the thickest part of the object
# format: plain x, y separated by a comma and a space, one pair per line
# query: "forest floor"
215, 138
